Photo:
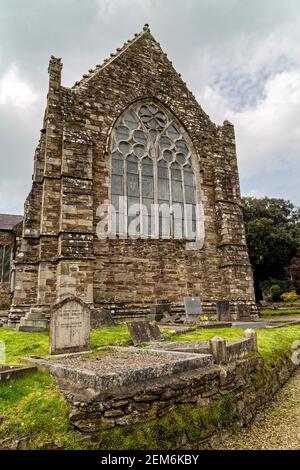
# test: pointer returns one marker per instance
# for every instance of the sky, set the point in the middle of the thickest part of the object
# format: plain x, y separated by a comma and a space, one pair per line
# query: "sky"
241, 59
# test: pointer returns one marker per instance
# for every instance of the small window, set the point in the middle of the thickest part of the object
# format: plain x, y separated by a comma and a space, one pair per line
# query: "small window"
1, 262
5, 263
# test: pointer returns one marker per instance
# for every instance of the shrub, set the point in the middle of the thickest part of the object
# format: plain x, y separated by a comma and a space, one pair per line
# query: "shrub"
289, 297
275, 292
286, 285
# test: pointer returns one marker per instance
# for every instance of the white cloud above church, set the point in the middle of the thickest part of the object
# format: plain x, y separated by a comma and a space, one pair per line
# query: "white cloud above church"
240, 58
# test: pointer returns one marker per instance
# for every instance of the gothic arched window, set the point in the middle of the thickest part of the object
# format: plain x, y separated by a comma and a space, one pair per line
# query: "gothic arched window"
153, 184
5, 255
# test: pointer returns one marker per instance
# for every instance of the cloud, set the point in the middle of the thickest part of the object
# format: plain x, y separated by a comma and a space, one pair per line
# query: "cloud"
241, 58
14, 91
267, 132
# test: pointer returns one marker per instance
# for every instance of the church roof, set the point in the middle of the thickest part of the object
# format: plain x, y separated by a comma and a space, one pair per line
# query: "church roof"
7, 222
92, 72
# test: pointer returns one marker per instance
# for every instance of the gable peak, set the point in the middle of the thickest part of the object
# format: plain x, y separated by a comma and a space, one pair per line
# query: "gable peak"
92, 72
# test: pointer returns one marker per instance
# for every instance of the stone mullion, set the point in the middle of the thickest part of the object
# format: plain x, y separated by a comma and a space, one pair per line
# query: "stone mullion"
185, 234
140, 174
171, 201
125, 217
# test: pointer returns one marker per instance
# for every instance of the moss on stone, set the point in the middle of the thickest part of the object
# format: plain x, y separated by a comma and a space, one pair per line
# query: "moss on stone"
187, 422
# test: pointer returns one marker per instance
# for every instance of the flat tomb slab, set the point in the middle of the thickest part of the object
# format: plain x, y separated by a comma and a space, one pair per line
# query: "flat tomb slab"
114, 367
13, 372
196, 347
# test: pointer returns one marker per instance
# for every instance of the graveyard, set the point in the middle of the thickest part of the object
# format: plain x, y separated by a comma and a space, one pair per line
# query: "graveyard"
136, 385
149, 229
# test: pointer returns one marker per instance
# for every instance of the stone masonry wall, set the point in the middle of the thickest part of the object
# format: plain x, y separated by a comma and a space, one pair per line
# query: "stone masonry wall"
72, 178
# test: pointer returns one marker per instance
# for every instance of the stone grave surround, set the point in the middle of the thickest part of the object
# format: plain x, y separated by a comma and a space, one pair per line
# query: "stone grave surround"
69, 327
60, 253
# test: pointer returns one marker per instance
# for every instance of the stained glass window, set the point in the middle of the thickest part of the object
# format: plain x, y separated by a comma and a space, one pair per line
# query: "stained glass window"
152, 175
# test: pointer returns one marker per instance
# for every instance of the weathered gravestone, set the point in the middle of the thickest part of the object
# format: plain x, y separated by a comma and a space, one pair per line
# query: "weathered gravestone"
243, 312
144, 332
223, 310
101, 319
160, 310
193, 309
34, 320
69, 327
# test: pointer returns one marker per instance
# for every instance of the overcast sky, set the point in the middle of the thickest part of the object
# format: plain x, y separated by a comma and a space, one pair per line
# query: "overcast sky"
241, 58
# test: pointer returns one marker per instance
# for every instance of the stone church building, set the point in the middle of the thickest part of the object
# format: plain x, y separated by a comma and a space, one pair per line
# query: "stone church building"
131, 135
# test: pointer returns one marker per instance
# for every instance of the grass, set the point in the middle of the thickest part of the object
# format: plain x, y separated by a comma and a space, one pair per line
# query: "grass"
271, 312
18, 343
207, 334
32, 408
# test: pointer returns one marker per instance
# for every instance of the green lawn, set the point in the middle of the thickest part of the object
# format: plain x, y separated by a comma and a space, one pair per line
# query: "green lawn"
32, 408
19, 343
271, 312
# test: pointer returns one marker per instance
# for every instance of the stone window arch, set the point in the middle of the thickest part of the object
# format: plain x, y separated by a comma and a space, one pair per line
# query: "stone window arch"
154, 175
5, 260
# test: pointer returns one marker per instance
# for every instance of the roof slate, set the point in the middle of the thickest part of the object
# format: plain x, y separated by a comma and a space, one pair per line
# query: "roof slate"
7, 221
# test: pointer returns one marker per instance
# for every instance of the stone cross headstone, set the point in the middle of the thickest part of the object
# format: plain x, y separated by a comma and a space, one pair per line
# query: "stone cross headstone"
193, 309
144, 332
223, 310
243, 312
69, 327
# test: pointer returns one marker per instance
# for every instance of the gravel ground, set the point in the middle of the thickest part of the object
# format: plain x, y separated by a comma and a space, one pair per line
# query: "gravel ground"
277, 427
118, 361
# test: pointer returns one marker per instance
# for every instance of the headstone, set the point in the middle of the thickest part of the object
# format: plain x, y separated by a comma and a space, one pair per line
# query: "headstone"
243, 312
223, 310
160, 310
69, 327
193, 309
144, 332
101, 319
33, 321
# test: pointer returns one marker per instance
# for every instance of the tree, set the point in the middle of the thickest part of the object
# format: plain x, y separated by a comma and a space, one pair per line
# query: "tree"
295, 270
273, 236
